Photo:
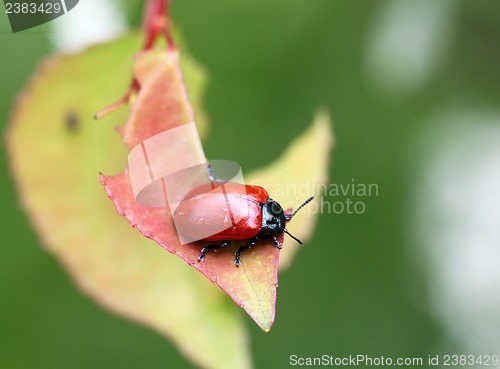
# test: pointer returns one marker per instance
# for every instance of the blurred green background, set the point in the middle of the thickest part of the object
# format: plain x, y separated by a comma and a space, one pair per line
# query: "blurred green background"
413, 87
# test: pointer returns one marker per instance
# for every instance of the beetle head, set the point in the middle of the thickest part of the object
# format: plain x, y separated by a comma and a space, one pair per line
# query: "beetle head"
274, 218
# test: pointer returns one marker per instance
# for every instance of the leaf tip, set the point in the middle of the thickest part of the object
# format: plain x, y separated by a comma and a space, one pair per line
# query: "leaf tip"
323, 122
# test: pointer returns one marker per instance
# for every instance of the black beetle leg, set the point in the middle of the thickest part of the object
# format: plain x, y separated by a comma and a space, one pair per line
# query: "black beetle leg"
237, 259
211, 247
275, 242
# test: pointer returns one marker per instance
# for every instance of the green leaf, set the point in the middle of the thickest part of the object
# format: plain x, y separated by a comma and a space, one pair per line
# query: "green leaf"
56, 151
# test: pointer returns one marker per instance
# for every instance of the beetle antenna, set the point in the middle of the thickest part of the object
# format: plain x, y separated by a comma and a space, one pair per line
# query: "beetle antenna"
300, 207
291, 235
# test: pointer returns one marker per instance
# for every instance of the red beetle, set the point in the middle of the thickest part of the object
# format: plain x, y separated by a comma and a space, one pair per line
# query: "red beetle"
231, 212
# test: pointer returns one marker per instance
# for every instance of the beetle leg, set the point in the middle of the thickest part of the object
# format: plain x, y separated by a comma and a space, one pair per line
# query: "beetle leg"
275, 242
237, 259
211, 247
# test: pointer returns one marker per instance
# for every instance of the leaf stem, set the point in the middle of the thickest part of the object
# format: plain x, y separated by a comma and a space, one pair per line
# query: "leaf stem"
156, 22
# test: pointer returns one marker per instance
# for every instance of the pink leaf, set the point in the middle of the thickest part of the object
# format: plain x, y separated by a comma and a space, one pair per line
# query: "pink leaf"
161, 105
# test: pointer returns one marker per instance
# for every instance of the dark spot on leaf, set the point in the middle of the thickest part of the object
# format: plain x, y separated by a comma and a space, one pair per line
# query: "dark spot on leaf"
72, 121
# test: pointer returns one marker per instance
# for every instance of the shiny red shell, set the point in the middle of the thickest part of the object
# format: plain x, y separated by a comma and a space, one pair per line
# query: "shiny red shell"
221, 211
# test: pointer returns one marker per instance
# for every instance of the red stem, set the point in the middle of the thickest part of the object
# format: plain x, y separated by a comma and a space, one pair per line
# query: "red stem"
156, 23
